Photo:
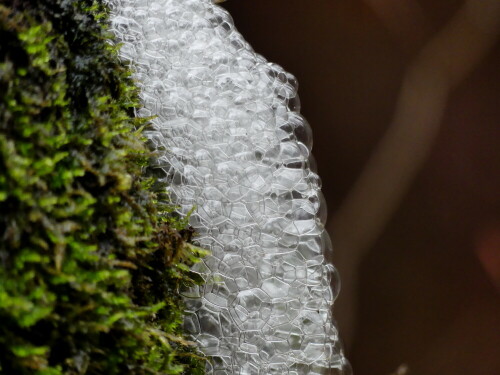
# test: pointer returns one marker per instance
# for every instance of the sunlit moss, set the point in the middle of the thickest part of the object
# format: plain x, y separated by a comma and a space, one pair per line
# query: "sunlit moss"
91, 258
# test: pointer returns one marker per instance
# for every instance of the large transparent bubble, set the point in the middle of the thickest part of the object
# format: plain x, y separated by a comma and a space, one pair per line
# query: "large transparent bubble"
233, 144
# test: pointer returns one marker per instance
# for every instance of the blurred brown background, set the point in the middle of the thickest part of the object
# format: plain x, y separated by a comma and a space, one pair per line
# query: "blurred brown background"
422, 288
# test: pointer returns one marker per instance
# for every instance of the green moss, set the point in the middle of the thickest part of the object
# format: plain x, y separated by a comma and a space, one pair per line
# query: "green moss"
91, 257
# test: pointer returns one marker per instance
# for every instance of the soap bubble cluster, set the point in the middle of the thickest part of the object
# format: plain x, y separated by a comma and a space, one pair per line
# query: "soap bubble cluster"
232, 143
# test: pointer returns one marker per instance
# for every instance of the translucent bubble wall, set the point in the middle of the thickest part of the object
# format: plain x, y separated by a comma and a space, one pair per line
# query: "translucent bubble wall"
233, 144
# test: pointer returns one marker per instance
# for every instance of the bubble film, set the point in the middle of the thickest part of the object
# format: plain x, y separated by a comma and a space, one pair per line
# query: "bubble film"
232, 144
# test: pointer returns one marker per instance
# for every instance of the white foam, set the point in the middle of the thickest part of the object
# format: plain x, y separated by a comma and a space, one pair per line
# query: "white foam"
233, 144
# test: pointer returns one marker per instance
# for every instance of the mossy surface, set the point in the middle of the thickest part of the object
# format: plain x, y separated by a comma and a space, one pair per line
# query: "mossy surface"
91, 258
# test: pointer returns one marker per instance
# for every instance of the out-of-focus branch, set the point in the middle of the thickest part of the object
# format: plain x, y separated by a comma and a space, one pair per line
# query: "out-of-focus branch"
401, 370
440, 66
405, 20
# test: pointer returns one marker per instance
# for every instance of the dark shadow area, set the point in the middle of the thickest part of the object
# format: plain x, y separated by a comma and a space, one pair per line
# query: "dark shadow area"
428, 291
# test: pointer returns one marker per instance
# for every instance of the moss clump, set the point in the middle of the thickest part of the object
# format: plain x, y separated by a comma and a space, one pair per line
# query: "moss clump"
91, 260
